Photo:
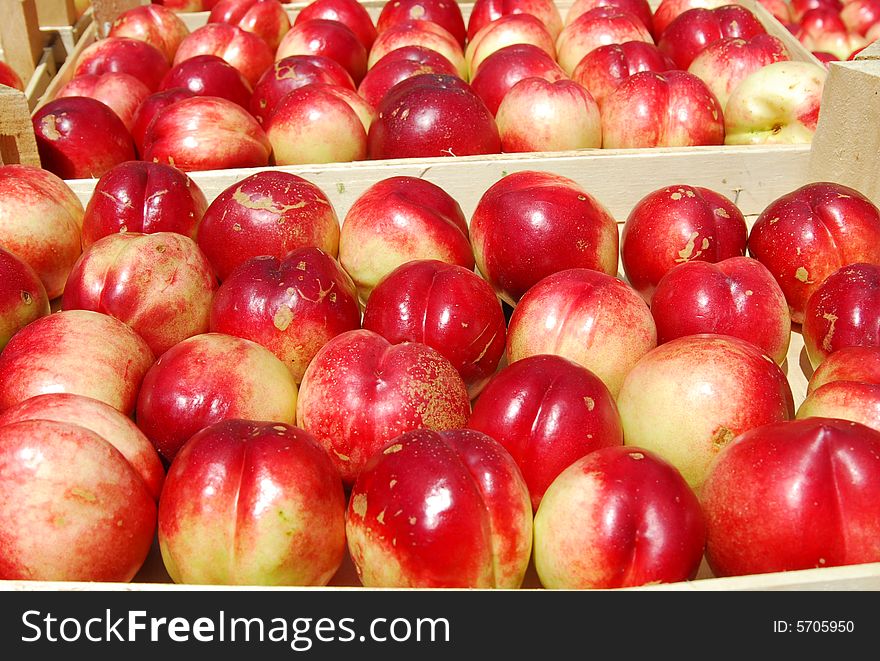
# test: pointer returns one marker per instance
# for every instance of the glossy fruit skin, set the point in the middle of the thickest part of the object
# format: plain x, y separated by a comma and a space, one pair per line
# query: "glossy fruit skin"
860, 15
537, 115
80, 138
671, 109
292, 306
120, 92
804, 492
40, 223
209, 75
23, 297
350, 13
105, 421
676, 225
268, 213
63, 488
252, 503
808, 234
209, 378
160, 285
397, 220
823, 29
777, 104
725, 63
618, 517
418, 33
591, 318
601, 70
444, 13
136, 196
668, 10
507, 31
290, 73
695, 29
206, 133
689, 398
801, 7
480, 538
595, 28
155, 24
264, 18
736, 296
49, 356
123, 55
329, 39
319, 123
843, 312
640, 8
360, 391
396, 67
531, 224
149, 109
506, 67
243, 50
859, 364
446, 306
432, 115
844, 400
486, 11
548, 412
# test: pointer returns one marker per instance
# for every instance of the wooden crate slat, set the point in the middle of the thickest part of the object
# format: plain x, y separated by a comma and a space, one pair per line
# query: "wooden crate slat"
20, 36
56, 13
846, 148
17, 141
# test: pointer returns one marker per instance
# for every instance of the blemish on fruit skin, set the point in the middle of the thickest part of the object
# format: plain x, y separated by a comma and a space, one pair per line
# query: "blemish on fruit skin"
283, 317
342, 457
721, 438
412, 520
48, 126
721, 212
359, 504
397, 447
803, 275
638, 456
688, 251
391, 484
381, 517
591, 404
676, 196
84, 494
826, 341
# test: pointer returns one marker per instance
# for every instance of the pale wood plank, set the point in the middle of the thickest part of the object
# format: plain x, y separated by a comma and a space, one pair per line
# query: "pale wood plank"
20, 36
846, 147
17, 141
56, 13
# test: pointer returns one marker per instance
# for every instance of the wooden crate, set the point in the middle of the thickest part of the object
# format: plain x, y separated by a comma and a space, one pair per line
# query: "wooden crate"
751, 176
